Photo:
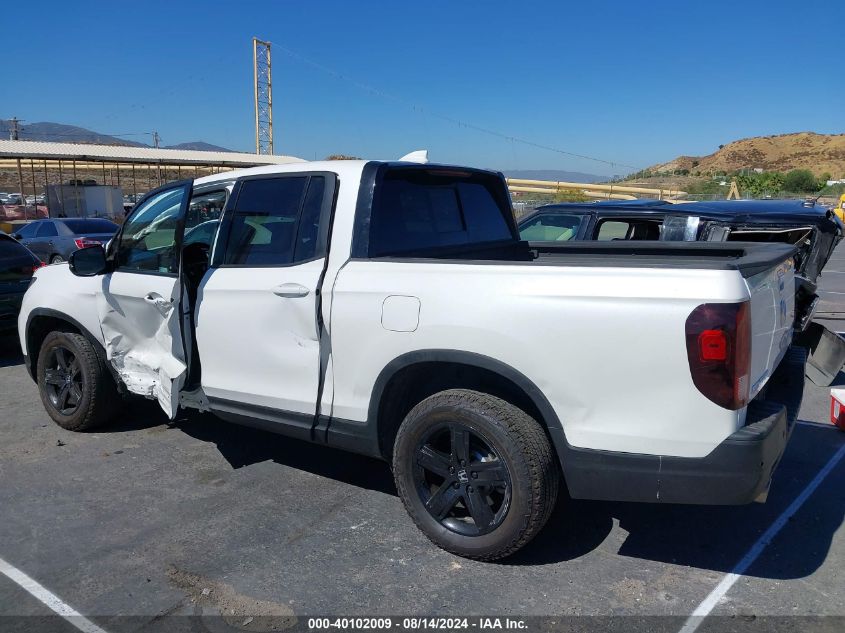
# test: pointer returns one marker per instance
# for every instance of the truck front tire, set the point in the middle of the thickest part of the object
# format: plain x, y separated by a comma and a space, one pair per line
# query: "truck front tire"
75, 386
476, 474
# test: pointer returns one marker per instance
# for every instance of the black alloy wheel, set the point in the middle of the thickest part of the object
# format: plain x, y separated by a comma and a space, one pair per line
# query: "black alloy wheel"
461, 480
63, 382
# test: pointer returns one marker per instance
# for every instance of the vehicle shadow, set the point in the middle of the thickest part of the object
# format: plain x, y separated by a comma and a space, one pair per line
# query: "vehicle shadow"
242, 446
710, 537
704, 537
10, 351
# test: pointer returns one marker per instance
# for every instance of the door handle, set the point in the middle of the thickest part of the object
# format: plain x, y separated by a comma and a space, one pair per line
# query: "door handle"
156, 299
291, 291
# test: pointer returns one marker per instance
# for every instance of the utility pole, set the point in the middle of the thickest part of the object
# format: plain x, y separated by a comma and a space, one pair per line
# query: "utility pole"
14, 134
263, 95
156, 139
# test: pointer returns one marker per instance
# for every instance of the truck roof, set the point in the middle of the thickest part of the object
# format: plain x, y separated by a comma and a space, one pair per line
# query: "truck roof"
349, 168
344, 168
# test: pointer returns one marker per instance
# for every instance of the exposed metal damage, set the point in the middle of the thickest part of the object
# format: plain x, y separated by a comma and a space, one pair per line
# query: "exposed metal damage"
151, 367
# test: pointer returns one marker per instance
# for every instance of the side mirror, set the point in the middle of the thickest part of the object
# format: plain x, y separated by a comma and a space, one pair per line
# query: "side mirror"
88, 261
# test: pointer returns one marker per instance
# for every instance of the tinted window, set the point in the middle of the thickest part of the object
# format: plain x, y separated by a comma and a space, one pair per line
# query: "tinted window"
202, 233
416, 209
149, 235
92, 225
29, 230
550, 227
203, 217
309, 224
46, 229
205, 206
628, 230
10, 249
275, 221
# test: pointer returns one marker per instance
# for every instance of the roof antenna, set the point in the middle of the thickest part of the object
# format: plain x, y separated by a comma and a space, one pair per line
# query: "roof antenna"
419, 156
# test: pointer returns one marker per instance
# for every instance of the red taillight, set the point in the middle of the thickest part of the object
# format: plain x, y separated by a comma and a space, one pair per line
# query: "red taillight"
719, 352
82, 242
30, 270
712, 345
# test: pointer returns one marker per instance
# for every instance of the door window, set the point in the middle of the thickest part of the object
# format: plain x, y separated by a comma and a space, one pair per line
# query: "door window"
203, 217
148, 241
628, 229
276, 221
47, 229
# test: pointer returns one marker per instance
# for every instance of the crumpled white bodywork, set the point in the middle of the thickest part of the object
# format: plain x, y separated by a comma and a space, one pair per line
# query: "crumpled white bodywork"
143, 344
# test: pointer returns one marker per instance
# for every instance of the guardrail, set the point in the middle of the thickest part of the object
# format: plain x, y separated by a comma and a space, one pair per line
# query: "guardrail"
607, 191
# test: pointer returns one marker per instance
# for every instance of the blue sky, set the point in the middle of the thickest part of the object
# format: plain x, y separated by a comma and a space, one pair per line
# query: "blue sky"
633, 83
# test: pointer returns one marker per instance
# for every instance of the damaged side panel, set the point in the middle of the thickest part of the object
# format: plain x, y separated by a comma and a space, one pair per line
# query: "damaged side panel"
139, 320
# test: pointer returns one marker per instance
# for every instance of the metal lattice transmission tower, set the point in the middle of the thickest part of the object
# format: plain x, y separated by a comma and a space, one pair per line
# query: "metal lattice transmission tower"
263, 97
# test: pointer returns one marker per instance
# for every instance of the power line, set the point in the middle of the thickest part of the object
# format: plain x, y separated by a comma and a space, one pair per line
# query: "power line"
460, 123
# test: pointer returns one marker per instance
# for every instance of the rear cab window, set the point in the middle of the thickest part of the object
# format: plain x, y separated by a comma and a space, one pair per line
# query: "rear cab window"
419, 210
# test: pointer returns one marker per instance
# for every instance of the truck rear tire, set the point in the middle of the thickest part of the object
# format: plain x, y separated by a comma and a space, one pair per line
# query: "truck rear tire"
476, 474
76, 388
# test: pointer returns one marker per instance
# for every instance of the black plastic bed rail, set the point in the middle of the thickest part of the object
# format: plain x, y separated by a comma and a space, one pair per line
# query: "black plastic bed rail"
749, 258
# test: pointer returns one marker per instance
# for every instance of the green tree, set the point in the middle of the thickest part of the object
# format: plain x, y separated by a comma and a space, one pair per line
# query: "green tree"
800, 181
757, 185
570, 195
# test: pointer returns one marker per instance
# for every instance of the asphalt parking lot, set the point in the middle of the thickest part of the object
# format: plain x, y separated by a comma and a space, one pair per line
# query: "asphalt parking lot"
147, 519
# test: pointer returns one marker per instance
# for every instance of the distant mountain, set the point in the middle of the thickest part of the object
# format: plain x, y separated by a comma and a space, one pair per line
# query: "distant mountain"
554, 174
60, 133
201, 146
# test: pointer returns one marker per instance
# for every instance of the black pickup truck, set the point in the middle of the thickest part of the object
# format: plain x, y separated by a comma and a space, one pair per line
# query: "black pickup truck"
814, 228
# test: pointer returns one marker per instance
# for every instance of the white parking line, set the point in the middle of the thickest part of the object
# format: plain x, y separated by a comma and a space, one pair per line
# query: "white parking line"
709, 603
48, 598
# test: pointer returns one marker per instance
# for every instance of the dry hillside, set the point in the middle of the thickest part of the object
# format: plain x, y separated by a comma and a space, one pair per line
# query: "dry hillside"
820, 153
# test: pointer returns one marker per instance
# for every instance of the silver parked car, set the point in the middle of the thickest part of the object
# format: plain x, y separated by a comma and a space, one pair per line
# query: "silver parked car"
54, 240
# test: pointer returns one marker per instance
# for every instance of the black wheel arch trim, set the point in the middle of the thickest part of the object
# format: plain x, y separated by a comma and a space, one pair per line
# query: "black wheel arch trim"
471, 359
31, 356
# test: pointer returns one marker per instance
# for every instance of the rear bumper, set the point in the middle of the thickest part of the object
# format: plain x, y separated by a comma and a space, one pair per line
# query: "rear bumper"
737, 471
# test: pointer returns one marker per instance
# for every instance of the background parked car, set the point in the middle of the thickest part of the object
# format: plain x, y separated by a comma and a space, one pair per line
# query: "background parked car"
17, 264
54, 240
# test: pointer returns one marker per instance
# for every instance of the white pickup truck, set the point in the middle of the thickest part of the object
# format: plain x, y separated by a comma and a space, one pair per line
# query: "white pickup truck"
390, 308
